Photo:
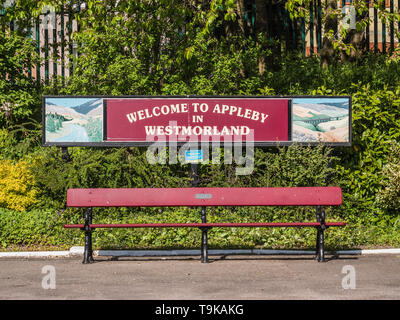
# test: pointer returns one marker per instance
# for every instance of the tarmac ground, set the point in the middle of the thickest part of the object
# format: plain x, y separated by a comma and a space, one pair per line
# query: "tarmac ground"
369, 277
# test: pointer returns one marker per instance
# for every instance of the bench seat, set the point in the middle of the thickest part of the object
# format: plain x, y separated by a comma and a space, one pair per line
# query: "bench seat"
192, 197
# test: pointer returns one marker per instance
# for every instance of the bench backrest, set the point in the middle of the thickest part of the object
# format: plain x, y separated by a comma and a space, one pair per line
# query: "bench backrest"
173, 197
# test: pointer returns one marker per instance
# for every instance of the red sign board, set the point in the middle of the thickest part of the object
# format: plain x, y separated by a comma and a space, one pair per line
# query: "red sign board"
118, 121
197, 119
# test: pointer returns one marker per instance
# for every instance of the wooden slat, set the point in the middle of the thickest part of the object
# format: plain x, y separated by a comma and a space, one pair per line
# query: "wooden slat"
171, 197
202, 225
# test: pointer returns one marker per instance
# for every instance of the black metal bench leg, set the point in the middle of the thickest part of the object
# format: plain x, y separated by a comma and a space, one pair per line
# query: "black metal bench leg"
320, 248
317, 244
204, 237
204, 245
88, 251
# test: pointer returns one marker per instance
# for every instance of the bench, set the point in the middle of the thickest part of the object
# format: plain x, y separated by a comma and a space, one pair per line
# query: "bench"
204, 197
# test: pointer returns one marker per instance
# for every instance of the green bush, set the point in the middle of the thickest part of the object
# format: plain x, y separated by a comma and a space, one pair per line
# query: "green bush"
275, 167
208, 56
284, 166
376, 124
98, 168
222, 66
35, 228
19, 96
19, 141
389, 196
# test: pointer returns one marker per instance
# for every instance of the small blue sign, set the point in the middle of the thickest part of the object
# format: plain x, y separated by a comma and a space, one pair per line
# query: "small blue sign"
193, 155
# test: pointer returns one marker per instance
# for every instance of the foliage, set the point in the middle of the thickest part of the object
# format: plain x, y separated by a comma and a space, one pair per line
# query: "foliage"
98, 167
341, 34
389, 196
375, 126
299, 75
45, 227
35, 228
273, 167
38, 229
177, 48
18, 94
117, 168
7, 143
285, 167
20, 140
16, 185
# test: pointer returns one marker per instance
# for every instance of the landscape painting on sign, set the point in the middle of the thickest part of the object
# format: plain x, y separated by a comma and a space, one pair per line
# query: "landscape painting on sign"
74, 119
321, 120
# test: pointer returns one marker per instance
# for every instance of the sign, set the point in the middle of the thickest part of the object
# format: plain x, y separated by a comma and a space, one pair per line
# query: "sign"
181, 120
141, 121
193, 155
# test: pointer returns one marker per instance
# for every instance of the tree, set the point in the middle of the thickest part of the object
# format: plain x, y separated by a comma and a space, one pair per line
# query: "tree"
18, 93
331, 24
136, 47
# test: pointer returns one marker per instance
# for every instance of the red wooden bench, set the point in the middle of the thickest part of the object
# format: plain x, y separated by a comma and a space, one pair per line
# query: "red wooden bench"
205, 197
